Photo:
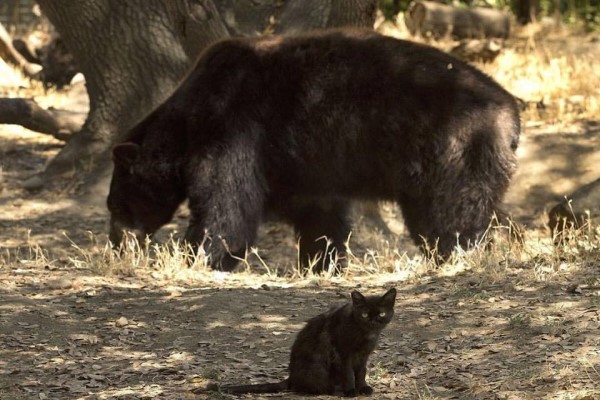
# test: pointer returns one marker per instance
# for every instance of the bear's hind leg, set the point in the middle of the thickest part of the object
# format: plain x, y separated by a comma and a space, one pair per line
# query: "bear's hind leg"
322, 226
443, 223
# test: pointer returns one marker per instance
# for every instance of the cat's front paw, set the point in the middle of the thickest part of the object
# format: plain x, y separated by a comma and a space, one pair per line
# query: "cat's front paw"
350, 393
368, 390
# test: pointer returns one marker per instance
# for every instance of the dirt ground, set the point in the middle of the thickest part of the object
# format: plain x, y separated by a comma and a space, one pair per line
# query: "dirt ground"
68, 332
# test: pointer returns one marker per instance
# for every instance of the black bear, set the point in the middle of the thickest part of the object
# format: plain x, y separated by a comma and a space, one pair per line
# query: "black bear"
300, 126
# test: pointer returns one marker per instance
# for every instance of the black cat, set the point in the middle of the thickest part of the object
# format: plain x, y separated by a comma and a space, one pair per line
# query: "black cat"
330, 353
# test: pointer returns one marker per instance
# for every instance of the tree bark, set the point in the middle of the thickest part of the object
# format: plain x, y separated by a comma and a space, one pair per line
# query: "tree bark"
26, 112
301, 16
133, 53
428, 18
249, 18
131, 60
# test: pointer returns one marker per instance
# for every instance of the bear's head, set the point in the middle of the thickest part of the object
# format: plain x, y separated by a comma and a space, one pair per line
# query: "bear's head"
143, 194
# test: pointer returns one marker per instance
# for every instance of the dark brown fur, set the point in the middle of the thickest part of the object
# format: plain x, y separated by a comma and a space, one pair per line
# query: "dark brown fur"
302, 125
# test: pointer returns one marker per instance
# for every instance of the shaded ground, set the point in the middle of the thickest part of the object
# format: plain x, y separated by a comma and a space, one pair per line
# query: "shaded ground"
66, 334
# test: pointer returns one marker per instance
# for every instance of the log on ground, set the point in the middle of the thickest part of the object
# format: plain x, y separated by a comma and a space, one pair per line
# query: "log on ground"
26, 112
431, 19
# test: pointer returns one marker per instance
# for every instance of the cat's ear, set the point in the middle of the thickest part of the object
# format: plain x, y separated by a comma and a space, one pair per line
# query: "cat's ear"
389, 298
357, 298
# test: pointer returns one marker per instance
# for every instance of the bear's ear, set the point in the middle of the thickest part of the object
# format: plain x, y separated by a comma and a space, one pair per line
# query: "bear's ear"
125, 154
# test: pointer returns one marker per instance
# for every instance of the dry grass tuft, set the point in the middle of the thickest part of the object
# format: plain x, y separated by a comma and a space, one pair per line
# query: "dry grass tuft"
495, 257
557, 85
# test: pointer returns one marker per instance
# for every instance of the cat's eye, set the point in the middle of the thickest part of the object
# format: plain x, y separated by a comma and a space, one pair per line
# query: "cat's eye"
382, 314
365, 315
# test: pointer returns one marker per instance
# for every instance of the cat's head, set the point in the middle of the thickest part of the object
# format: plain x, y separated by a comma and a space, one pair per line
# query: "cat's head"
373, 312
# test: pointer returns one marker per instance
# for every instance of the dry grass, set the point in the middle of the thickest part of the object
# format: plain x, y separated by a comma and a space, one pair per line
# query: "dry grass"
537, 260
559, 83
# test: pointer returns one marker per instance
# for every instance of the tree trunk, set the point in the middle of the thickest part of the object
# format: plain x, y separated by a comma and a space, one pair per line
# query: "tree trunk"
133, 53
249, 18
427, 18
301, 16
131, 60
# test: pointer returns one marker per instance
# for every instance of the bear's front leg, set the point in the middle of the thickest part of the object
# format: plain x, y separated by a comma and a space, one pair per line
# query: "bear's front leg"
221, 254
226, 201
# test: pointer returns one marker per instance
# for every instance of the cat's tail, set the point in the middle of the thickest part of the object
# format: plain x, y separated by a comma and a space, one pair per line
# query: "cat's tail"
258, 388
